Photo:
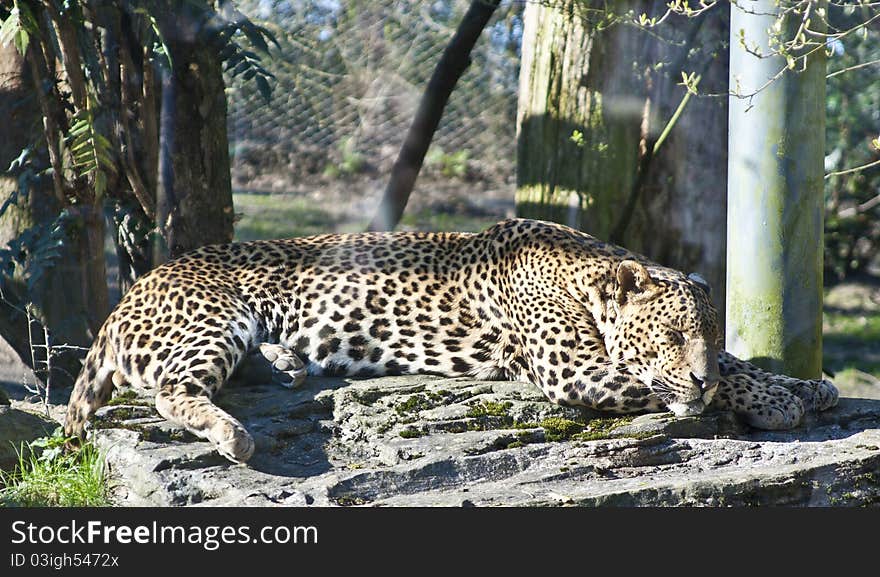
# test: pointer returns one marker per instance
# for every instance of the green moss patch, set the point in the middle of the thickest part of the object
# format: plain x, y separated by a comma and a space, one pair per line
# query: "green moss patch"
127, 397
489, 409
599, 429
411, 433
559, 429
413, 404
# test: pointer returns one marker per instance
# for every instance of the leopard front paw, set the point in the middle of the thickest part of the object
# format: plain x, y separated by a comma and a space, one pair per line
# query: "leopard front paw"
773, 409
827, 395
817, 395
74, 422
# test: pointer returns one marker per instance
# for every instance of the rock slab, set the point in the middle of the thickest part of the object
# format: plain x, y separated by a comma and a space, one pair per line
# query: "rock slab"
17, 428
429, 441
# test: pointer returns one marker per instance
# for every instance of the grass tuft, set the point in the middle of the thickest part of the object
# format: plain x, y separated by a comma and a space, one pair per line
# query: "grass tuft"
47, 475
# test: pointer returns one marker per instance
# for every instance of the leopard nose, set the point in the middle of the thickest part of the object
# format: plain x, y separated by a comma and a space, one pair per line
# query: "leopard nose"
702, 383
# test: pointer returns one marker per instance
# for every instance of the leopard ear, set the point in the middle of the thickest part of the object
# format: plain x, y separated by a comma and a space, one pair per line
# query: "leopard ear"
633, 281
701, 282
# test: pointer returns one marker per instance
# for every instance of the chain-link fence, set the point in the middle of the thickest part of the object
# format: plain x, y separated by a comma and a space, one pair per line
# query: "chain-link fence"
349, 77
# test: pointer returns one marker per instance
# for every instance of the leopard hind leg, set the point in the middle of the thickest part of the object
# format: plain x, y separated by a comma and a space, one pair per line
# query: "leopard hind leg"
186, 388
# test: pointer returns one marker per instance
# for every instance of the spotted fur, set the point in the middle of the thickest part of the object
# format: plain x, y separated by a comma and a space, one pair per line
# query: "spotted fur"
588, 322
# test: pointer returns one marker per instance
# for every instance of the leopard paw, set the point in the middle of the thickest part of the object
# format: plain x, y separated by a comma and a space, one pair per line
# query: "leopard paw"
232, 440
274, 363
774, 409
817, 395
827, 395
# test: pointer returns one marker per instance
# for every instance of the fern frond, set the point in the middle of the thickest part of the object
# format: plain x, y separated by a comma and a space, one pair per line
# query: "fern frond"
34, 251
90, 150
224, 27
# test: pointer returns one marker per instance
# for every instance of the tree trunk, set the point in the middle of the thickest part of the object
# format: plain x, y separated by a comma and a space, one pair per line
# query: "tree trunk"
52, 301
578, 124
195, 188
592, 104
777, 149
681, 216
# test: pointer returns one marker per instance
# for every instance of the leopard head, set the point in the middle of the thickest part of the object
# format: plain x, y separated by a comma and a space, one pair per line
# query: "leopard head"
666, 329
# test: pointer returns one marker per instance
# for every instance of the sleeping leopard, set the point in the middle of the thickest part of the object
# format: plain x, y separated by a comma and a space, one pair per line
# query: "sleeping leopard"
587, 322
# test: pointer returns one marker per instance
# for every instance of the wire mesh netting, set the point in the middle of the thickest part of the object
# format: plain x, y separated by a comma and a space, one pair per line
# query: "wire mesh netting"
349, 76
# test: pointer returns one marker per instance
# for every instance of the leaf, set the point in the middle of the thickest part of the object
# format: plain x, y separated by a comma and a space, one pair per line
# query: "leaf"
10, 26
91, 151
159, 47
18, 28
264, 88
21, 40
100, 183
255, 37
224, 24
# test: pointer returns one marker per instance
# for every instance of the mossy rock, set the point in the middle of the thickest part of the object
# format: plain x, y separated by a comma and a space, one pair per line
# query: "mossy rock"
17, 429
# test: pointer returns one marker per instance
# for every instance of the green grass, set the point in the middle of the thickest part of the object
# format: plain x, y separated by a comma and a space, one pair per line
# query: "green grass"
429, 220
851, 342
49, 476
853, 327
265, 216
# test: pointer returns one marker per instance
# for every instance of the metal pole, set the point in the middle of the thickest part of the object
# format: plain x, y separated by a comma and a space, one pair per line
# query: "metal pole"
775, 199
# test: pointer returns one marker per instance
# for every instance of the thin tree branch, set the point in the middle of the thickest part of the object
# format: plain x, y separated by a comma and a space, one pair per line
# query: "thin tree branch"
851, 170
452, 64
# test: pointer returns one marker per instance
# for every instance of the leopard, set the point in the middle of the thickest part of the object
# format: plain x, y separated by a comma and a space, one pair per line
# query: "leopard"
588, 322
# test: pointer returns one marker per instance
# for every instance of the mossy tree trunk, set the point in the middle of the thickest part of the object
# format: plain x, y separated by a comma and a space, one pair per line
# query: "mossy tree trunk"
54, 303
593, 101
775, 211
577, 134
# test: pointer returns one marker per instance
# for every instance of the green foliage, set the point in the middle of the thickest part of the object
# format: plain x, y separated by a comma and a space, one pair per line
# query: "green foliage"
48, 475
91, 152
350, 161
850, 339
34, 252
158, 47
18, 27
454, 165
852, 219
282, 216
224, 26
864, 327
